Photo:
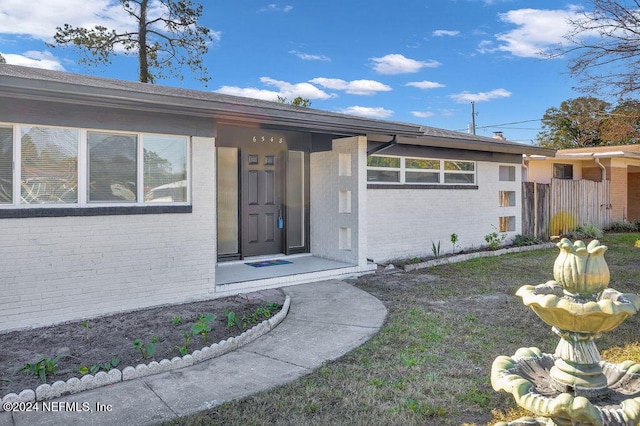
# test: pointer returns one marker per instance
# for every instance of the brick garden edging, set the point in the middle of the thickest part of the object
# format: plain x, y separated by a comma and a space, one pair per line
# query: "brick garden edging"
88, 381
475, 255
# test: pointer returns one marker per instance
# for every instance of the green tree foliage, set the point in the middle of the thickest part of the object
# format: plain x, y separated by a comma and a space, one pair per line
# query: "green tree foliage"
164, 42
297, 101
575, 124
589, 121
623, 124
603, 47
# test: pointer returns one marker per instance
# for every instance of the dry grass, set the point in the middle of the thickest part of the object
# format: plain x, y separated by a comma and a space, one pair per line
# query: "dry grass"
430, 363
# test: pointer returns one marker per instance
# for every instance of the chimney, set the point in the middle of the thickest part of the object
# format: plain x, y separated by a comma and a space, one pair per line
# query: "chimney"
499, 135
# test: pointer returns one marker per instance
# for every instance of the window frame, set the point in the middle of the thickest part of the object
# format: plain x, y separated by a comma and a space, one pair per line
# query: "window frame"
441, 172
563, 167
126, 207
507, 173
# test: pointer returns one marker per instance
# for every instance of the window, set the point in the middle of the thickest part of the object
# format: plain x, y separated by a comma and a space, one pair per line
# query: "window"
407, 170
422, 171
165, 169
383, 169
6, 165
112, 167
56, 166
507, 173
49, 165
507, 224
507, 198
563, 171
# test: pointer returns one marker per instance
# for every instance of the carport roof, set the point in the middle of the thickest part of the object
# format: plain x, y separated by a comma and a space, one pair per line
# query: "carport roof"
38, 84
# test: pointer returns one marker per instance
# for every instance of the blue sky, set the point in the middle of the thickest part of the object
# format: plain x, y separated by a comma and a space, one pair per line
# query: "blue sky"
415, 61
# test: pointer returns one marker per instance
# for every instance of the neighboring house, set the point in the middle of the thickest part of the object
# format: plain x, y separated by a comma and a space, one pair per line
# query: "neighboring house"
620, 165
117, 195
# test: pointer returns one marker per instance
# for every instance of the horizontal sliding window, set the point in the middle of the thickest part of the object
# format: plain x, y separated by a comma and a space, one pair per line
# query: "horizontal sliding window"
407, 170
58, 166
383, 169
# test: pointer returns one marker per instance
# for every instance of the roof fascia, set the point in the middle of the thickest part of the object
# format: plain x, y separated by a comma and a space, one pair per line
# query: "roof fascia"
223, 110
476, 145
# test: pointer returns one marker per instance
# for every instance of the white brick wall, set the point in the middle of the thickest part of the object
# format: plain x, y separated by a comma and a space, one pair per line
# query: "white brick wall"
403, 222
58, 269
342, 169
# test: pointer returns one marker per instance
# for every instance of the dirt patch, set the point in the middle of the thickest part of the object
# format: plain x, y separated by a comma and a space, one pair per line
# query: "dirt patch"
95, 342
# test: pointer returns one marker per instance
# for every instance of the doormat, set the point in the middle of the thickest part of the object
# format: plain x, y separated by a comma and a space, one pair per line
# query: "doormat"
264, 263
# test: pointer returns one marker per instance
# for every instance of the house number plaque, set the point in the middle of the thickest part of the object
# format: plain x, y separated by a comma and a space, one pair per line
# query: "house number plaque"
267, 139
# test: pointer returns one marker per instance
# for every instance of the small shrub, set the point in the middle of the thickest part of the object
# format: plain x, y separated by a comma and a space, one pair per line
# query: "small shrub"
42, 367
586, 232
106, 366
525, 240
494, 239
623, 226
203, 326
233, 320
454, 241
147, 350
435, 249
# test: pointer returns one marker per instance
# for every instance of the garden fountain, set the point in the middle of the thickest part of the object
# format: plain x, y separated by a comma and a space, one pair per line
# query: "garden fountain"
574, 386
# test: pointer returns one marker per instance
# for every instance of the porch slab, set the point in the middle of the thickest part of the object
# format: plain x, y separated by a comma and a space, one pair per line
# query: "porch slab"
301, 269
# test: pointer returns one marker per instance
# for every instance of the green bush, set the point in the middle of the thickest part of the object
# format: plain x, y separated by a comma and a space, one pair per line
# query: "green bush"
526, 240
623, 226
585, 232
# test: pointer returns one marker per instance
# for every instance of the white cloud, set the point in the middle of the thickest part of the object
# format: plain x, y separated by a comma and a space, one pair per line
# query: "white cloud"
396, 63
443, 33
289, 90
370, 112
34, 59
537, 31
21, 17
422, 114
481, 96
354, 87
425, 84
284, 89
273, 7
249, 92
308, 57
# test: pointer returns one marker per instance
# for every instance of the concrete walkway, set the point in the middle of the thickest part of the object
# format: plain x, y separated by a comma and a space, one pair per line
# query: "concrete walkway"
326, 320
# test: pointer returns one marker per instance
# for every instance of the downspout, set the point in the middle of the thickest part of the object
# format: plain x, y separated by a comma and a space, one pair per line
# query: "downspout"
384, 146
602, 167
525, 166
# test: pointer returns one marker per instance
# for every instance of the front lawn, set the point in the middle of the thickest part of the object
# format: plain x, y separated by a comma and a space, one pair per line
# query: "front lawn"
430, 363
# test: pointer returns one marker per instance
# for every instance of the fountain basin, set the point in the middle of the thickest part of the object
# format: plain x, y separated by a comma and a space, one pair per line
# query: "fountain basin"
527, 377
605, 313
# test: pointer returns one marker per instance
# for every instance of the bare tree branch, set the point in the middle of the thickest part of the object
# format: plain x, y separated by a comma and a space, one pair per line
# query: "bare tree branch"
604, 48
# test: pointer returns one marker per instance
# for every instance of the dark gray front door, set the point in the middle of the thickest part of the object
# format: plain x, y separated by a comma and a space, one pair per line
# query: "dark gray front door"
262, 222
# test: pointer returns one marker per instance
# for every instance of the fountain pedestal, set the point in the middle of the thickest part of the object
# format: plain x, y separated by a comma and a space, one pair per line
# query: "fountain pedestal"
577, 367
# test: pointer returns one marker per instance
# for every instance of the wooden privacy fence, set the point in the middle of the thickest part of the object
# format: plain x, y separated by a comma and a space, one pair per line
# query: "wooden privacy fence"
561, 206
535, 209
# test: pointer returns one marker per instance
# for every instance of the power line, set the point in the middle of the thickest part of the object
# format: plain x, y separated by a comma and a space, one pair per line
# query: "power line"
503, 124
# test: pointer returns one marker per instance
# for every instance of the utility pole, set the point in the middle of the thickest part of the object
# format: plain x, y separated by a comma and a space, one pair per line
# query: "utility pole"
473, 117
